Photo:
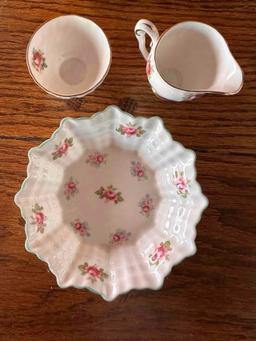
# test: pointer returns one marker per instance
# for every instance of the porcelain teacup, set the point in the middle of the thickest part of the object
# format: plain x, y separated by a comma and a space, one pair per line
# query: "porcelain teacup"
68, 56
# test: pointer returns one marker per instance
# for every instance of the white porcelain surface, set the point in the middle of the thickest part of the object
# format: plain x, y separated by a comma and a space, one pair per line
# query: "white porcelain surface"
68, 56
111, 239
188, 60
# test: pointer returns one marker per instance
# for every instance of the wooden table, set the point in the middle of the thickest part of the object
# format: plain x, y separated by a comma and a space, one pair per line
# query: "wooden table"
211, 296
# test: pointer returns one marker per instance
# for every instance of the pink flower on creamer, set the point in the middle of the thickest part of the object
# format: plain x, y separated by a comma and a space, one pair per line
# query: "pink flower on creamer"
160, 253
148, 68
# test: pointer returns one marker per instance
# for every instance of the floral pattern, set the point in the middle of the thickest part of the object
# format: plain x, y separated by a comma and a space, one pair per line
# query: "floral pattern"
62, 148
38, 218
138, 170
182, 183
146, 205
130, 130
38, 60
70, 188
119, 236
160, 253
81, 228
109, 194
149, 68
96, 159
93, 271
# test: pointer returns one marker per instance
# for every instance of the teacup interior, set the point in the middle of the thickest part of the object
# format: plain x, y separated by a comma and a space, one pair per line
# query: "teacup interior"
187, 56
76, 54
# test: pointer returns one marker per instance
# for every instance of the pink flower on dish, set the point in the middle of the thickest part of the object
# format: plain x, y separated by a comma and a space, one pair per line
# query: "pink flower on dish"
93, 271
38, 218
130, 130
62, 148
110, 193
138, 170
182, 183
146, 205
81, 228
70, 188
119, 236
96, 159
161, 252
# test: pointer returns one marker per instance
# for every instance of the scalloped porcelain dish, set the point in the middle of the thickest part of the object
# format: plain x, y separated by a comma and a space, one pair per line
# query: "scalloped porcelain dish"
111, 203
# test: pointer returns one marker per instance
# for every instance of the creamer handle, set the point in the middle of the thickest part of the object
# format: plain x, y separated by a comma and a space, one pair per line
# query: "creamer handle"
142, 27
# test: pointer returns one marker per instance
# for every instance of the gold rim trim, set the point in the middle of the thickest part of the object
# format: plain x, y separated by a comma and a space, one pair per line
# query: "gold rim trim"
81, 94
201, 91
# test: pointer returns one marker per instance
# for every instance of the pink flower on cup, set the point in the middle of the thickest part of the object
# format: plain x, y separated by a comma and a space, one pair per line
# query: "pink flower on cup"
38, 60
160, 253
70, 188
38, 218
182, 183
130, 129
146, 205
110, 193
93, 271
96, 159
138, 170
119, 236
62, 148
82, 228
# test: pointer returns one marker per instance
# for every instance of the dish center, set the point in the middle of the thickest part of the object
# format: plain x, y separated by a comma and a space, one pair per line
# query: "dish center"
109, 196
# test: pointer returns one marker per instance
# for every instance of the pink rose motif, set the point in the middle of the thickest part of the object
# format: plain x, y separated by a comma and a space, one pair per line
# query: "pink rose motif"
93, 271
63, 148
129, 130
78, 226
39, 218
116, 237
140, 173
159, 253
148, 68
181, 183
146, 208
110, 195
71, 185
100, 158
37, 59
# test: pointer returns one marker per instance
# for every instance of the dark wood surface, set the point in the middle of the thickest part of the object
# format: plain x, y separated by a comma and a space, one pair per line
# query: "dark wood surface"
211, 296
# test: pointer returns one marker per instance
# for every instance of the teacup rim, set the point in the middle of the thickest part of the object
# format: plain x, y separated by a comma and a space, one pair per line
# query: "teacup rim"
196, 91
76, 95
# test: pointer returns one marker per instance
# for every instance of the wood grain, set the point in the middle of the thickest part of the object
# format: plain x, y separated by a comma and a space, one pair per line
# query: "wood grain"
211, 296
